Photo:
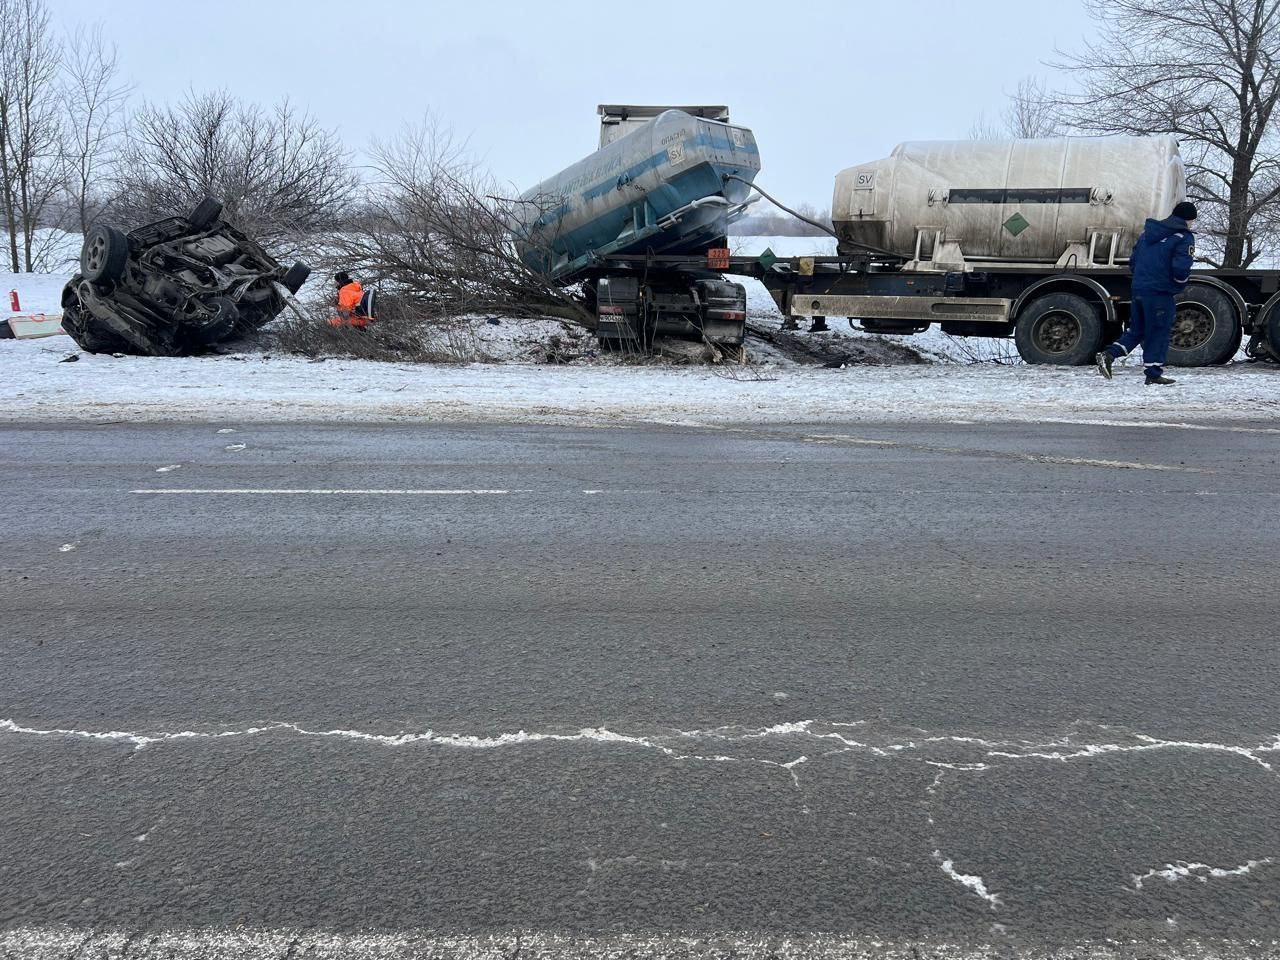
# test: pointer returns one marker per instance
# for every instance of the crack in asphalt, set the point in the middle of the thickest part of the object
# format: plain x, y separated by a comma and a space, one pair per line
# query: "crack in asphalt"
931, 750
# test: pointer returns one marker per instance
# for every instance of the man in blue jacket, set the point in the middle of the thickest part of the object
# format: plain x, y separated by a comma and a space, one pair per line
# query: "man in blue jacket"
1161, 266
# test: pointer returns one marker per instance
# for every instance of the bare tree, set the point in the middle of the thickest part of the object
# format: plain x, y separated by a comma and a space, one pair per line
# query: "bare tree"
30, 58
282, 176
1207, 72
94, 101
1031, 113
439, 234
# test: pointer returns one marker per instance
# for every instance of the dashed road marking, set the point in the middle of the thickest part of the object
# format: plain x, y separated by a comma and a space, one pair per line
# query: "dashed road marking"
1165, 424
319, 491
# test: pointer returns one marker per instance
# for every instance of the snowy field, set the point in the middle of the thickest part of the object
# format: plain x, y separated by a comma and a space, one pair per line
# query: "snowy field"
38, 292
254, 387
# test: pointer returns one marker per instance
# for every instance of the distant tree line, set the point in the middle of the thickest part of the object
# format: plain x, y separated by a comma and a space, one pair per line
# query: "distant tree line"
73, 148
1204, 71
774, 223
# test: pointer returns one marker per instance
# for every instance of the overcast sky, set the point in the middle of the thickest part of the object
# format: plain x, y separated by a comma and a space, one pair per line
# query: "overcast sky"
824, 84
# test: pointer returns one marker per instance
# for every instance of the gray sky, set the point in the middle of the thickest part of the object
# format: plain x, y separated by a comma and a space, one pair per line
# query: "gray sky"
824, 84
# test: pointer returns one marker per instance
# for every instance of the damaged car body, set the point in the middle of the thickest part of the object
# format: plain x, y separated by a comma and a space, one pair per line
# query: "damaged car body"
174, 287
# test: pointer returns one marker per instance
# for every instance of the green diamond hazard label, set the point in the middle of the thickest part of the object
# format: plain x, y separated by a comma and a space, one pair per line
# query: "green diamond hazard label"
768, 258
1016, 224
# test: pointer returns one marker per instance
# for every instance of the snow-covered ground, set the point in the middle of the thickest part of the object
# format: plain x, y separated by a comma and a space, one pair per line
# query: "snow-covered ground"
255, 386
37, 292
247, 387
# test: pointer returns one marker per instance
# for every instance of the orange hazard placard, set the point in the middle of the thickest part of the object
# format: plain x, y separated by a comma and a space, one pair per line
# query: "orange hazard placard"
718, 258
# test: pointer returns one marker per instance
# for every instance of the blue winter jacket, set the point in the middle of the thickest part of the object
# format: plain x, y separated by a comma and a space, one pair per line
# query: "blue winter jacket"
1162, 257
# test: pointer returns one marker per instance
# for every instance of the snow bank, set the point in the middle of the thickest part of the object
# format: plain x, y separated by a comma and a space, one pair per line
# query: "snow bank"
38, 292
255, 387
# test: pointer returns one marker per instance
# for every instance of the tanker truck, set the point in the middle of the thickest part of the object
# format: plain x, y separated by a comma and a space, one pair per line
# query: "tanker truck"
634, 221
1021, 238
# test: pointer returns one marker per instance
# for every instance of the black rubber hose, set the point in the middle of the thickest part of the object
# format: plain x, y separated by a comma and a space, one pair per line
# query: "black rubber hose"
821, 226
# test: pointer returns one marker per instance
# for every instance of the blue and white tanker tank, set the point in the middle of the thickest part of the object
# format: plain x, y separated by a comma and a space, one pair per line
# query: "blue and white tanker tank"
659, 187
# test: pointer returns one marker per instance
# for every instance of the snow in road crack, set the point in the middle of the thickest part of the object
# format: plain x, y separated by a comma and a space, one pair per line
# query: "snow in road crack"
938, 751
1202, 872
971, 881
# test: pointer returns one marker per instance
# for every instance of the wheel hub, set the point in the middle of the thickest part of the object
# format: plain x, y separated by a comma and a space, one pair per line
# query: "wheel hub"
1057, 332
1192, 328
97, 251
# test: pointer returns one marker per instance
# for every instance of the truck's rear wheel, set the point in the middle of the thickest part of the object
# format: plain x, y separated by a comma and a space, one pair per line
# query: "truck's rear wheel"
1273, 332
1206, 329
1060, 328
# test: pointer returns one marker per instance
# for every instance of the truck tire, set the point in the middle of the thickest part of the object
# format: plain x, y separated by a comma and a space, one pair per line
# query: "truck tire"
1206, 329
206, 214
104, 254
1060, 328
1273, 333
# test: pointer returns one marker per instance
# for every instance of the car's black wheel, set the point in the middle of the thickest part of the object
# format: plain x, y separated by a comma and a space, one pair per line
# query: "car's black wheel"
84, 329
1206, 329
296, 276
104, 254
206, 214
217, 322
1060, 328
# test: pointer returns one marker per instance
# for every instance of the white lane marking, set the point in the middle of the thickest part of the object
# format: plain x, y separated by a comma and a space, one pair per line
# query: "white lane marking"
971, 881
838, 438
1113, 464
1184, 870
854, 441
226, 430
321, 491
170, 468
1157, 424
233, 447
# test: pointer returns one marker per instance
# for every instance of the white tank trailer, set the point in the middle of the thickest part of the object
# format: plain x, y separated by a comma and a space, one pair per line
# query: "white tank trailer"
1067, 201
1028, 239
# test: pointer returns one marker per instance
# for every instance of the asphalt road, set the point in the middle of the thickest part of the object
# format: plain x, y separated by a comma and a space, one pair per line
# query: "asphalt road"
960, 690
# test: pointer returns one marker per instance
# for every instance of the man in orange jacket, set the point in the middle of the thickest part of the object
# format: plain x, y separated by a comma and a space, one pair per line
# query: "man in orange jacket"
349, 295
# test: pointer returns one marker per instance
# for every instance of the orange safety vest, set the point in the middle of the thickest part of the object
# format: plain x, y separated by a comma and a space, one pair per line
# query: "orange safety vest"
348, 300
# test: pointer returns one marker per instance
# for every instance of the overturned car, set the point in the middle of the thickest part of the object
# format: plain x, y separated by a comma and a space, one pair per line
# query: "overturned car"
174, 287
